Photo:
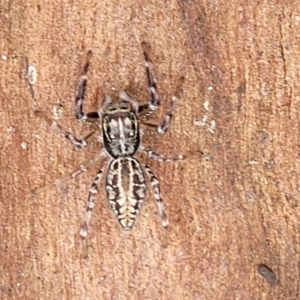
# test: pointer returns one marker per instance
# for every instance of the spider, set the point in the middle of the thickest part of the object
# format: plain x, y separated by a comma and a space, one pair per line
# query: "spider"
122, 126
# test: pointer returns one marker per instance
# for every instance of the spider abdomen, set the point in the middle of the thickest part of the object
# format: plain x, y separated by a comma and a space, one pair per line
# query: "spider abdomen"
125, 189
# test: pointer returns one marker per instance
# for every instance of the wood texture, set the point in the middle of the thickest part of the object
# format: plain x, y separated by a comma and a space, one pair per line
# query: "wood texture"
231, 209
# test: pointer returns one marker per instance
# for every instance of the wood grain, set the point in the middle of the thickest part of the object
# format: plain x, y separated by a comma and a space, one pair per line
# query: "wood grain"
230, 209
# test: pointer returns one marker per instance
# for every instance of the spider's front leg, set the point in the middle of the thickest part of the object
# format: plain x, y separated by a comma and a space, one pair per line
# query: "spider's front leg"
89, 117
166, 123
151, 106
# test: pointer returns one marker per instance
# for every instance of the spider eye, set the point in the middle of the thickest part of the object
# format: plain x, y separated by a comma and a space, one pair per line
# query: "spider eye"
131, 134
124, 106
110, 108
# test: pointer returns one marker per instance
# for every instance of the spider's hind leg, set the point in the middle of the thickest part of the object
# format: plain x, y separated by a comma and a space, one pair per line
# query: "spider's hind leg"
157, 195
89, 208
81, 169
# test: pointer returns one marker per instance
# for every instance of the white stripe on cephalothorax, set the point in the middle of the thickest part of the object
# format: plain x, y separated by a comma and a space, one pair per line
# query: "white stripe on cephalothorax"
121, 129
122, 136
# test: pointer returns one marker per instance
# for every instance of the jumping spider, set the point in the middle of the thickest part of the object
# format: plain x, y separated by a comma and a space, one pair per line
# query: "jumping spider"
122, 127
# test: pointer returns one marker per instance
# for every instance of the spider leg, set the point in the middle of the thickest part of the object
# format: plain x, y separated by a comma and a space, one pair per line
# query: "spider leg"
89, 208
166, 123
157, 195
89, 117
159, 157
80, 143
82, 168
151, 106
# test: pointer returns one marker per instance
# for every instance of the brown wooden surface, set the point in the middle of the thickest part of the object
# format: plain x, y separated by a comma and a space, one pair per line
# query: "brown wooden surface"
231, 210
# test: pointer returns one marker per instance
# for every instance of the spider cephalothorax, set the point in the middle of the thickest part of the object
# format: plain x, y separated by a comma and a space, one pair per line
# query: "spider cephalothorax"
120, 127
